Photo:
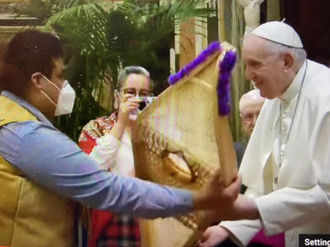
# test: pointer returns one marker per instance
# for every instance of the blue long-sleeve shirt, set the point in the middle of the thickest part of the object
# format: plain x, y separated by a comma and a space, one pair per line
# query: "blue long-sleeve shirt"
51, 159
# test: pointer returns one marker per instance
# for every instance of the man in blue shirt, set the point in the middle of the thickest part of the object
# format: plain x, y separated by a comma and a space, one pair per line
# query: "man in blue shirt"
40, 156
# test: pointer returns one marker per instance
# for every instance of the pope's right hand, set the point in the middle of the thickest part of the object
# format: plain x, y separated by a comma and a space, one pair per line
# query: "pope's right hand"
213, 236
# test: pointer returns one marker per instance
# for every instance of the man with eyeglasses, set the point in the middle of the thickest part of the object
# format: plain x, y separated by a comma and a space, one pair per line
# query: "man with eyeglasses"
250, 105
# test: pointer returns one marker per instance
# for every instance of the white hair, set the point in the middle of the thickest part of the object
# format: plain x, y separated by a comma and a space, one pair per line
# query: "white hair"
299, 53
251, 97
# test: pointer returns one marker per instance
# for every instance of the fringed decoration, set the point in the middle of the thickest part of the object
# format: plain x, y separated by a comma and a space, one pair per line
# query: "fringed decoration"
226, 66
223, 88
185, 71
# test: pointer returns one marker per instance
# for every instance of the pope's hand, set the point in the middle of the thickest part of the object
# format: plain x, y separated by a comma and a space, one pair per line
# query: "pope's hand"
214, 196
213, 236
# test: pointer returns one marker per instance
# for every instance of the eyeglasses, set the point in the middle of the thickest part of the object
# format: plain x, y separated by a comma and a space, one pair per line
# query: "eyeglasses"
134, 92
250, 117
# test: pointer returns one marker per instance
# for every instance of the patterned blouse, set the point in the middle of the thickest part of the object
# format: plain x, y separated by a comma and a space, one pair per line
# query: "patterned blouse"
108, 230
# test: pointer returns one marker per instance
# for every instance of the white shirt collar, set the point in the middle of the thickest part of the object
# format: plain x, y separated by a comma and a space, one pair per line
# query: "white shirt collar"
294, 88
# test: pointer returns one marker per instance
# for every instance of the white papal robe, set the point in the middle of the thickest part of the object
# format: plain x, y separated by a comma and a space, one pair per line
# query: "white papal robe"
288, 171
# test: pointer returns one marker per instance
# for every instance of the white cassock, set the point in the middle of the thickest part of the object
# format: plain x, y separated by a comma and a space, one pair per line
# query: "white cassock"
288, 171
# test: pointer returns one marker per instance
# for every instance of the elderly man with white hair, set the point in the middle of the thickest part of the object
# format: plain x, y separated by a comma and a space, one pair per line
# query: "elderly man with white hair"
286, 166
250, 105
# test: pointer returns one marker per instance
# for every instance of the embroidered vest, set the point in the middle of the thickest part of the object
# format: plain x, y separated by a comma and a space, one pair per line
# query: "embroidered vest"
30, 215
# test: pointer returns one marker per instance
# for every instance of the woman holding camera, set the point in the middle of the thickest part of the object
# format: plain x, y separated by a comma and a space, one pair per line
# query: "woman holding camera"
107, 139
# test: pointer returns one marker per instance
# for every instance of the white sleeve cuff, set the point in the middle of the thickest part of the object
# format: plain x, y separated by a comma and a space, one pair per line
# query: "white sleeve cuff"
103, 152
242, 231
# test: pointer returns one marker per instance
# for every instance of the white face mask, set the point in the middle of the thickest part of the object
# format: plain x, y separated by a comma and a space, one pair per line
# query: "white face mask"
65, 100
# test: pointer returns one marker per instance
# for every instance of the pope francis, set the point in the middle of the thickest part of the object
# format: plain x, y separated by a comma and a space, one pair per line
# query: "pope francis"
286, 166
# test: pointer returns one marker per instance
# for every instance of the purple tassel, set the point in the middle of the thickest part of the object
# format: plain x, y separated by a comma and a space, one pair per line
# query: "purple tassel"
226, 66
223, 88
209, 51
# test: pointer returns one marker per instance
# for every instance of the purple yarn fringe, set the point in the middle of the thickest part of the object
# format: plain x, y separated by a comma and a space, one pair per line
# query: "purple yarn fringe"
185, 71
223, 88
226, 66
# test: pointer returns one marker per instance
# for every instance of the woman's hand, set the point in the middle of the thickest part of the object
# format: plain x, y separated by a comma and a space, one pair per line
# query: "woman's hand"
128, 104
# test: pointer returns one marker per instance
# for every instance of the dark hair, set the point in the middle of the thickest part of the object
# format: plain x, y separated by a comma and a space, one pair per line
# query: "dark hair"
28, 52
132, 70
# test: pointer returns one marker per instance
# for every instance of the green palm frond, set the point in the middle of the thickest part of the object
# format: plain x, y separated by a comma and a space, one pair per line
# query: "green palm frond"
84, 24
151, 22
44, 9
102, 38
88, 11
182, 10
166, 18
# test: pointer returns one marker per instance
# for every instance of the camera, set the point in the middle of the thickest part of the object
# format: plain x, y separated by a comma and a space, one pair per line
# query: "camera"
145, 101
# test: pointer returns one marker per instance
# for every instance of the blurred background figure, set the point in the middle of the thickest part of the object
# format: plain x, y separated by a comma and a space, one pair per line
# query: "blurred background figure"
251, 14
250, 106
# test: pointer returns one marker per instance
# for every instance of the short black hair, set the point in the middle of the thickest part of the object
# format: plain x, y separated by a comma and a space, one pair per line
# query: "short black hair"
28, 52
